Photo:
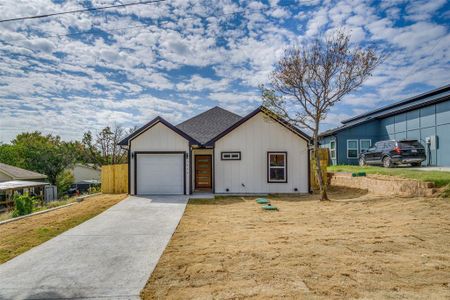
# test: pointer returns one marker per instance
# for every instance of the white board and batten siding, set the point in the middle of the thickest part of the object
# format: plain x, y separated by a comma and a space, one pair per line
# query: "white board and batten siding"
254, 139
159, 173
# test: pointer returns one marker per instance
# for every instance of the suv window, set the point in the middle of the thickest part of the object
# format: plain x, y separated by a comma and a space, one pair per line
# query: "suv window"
389, 145
409, 144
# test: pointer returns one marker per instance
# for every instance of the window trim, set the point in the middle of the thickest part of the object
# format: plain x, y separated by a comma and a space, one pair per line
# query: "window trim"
285, 167
365, 140
357, 148
333, 150
231, 154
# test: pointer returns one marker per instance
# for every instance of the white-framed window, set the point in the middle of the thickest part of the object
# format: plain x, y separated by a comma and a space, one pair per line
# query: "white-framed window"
232, 155
333, 149
352, 149
365, 144
276, 167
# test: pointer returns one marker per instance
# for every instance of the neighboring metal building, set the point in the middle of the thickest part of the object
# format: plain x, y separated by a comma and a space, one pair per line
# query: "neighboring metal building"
425, 117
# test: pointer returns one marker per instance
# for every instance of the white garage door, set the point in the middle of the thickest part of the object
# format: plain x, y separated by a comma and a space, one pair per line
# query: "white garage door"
160, 174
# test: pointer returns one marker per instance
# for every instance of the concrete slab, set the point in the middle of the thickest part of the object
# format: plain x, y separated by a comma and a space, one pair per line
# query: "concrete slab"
441, 169
202, 196
110, 256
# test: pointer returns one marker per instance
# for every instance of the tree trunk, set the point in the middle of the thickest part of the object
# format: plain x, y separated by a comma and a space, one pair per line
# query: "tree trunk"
318, 167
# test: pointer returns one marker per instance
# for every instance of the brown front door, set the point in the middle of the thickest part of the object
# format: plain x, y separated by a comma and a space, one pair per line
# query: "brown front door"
203, 174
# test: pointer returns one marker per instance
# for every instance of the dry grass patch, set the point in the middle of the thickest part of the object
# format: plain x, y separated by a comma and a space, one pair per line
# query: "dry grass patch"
359, 246
19, 236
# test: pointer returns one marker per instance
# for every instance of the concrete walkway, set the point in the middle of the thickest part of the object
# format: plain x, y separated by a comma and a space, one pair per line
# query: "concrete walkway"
110, 256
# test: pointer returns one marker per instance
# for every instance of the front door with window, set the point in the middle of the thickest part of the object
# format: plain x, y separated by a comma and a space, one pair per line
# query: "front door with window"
203, 172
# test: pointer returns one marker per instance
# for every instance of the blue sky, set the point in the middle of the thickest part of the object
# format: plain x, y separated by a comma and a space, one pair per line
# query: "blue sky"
68, 74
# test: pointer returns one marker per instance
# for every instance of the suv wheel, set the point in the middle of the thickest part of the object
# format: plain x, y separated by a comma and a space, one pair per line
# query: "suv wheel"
362, 162
387, 162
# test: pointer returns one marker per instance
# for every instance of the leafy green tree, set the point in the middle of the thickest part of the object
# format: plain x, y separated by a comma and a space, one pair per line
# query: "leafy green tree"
63, 181
44, 154
9, 155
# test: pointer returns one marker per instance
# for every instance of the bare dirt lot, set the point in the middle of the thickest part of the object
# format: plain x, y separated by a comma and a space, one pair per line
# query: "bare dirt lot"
357, 246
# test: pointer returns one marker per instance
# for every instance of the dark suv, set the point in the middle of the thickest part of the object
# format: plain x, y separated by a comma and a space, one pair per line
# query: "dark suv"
390, 153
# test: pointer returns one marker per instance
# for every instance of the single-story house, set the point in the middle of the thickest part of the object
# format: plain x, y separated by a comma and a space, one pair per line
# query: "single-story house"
220, 152
85, 172
425, 117
8, 173
41, 190
14, 180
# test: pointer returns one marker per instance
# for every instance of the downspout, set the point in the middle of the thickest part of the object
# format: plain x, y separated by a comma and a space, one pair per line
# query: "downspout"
309, 167
129, 169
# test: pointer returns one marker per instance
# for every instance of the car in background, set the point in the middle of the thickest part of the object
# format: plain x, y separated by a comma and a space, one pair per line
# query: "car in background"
390, 153
82, 187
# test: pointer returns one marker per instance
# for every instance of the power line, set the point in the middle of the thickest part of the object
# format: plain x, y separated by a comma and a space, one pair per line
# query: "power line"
81, 10
146, 25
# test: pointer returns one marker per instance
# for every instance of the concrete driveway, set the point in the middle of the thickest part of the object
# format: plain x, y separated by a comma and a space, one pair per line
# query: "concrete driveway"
110, 256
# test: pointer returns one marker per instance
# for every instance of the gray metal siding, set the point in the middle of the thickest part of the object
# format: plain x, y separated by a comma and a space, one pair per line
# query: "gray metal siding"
443, 153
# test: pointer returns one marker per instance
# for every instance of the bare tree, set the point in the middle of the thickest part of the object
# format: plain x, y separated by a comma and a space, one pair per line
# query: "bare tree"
103, 149
308, 81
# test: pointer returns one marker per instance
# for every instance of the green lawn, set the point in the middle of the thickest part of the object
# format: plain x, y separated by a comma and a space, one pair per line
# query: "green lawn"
439, 178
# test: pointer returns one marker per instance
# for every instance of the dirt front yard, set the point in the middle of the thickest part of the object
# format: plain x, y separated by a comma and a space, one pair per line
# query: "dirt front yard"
358, 246
21, 235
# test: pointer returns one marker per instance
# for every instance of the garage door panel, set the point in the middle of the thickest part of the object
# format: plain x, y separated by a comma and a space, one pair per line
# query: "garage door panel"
160, 174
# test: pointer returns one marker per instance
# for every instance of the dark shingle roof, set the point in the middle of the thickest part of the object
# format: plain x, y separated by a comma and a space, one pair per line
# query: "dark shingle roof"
19, 173
209, 124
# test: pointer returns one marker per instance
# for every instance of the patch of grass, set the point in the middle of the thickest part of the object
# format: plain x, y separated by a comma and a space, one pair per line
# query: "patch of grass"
21, 235
6, 215
9, 214
446, 192
439, 178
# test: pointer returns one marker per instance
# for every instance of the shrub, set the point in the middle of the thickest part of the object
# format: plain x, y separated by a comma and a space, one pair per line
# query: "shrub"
23, 205
94, 189
64, 181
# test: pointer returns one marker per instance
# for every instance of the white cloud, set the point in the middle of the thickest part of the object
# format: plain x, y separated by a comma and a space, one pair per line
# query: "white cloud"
199, 83
168, 59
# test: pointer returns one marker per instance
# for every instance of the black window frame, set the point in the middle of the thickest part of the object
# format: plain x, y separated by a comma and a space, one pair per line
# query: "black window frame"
230, 153
285, 166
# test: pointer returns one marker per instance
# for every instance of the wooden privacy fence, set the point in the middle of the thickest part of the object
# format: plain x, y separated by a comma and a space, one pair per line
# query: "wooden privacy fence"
323, 154
115, 179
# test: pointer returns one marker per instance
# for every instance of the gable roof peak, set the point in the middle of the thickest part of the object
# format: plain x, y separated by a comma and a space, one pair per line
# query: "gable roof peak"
269, 113
150, 124
208, 124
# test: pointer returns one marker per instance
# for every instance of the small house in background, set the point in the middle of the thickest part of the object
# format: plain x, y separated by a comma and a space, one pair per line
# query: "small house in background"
14, 180
86, 172
86, 176
8, 173
425, 117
